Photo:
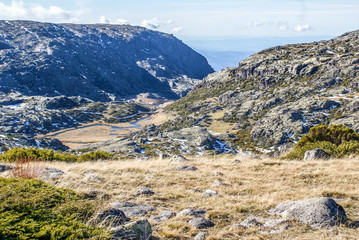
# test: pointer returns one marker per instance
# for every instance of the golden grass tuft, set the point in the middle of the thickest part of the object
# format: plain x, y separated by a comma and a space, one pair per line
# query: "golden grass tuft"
27, 168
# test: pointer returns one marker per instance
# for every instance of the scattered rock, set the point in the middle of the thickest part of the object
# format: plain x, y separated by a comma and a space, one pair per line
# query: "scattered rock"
237, 161
272, 223
317, 212
144, 191
201, 236
196, 190
315, 154
250, 222
236, 226
93, 179
110, 218
133, 209
47, 173
210, 193
201, 223
192, 212
5, 167
185, 168
218, 174
162, 216
178, 158
218, 183
138, 230
89, 172
92, 194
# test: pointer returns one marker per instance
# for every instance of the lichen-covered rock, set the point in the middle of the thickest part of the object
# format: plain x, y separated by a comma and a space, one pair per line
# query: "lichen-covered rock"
185, 168
317, 212
110, 218
138, 230
192, 212
163, 216
201, 236
201, 223
144, 191
133, 209
210, 193
315, 154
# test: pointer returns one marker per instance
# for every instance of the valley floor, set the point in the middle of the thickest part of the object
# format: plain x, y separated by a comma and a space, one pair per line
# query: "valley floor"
245, 188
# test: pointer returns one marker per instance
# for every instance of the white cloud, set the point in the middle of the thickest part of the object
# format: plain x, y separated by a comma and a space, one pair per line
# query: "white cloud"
302, 28
283, 27
257, 24
177, 30
104, 20
153, 23
18, 10
122, 21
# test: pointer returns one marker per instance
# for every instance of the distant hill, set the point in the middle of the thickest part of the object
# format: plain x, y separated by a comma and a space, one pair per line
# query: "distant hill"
223, 59
100, 61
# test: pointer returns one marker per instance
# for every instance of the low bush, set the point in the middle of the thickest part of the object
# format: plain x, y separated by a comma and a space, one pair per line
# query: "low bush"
50, 155
336, 140
32, 209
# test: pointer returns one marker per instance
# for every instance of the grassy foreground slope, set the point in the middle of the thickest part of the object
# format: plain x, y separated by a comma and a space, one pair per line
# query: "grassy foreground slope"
247, 188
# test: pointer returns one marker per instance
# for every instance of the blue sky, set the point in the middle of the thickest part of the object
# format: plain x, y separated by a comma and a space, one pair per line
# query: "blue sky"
200, 18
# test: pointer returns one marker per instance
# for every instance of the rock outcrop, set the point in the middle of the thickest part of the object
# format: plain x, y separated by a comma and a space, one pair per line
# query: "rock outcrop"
275, 96
316, 212
97, 61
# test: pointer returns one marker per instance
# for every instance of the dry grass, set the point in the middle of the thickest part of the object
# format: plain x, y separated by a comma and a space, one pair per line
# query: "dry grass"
27, 168
251, 188
221, 127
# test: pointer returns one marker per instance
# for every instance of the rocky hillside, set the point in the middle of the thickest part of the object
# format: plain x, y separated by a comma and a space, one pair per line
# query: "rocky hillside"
100, 62
276, 95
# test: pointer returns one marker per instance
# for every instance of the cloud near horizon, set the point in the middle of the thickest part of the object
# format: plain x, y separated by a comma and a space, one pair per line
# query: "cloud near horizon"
17, 10
302, 28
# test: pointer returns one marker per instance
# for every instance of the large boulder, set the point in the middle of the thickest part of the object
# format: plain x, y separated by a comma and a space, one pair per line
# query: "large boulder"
137, 230
317, 212
110, 218
195, 136
133, 209
315, 154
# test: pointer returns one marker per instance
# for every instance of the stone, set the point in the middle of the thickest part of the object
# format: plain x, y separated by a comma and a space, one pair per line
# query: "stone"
315, 154
5, 167
93, 179
192, 212
144, 191
178, 158
133, 209
250, 222
318, 212
47, 173
201, 223
185, 168
163, 216
218, 183
218, 174
236, 226
272, 223
110, 218
201, 236
138, 230
210, 193
237, 161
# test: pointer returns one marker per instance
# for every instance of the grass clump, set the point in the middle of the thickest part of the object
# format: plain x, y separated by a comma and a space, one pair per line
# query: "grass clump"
32, 209
336, 140
50, 155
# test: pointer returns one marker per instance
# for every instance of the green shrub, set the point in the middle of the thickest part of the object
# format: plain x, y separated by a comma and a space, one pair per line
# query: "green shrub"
336, 140
50, 155
93, 156
32, 209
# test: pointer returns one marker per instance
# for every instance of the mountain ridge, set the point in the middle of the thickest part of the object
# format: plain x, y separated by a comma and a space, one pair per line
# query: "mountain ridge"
98, 61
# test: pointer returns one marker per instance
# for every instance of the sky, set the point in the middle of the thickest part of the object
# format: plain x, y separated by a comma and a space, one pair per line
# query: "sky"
199, 20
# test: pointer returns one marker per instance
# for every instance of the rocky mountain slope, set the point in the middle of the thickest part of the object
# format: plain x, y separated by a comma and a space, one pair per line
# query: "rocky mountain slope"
100, 62
276, 95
